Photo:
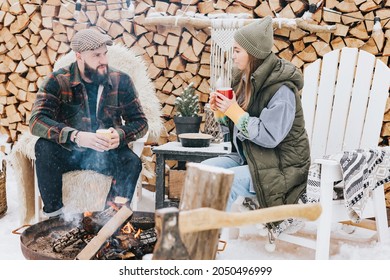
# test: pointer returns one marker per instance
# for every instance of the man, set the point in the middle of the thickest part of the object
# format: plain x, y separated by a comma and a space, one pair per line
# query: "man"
71, 105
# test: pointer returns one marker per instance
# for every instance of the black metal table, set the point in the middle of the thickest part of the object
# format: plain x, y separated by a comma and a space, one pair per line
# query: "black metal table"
175, 151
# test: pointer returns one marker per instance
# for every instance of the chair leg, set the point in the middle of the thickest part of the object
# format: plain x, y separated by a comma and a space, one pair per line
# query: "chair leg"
138, 147
234, 232
325, 221
382, 226
137, 197
37, 197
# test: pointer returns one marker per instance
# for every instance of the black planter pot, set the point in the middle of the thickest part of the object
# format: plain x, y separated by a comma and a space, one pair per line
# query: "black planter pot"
187, 124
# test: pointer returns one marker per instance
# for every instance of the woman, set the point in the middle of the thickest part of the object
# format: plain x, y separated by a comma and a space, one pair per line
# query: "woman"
270, 156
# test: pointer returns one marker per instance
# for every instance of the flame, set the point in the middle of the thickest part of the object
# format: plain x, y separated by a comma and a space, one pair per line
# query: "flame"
113, 206
128, 228
87, 214
137, 235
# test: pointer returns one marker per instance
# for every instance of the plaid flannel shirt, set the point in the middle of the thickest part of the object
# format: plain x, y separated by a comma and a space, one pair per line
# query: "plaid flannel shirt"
62, 106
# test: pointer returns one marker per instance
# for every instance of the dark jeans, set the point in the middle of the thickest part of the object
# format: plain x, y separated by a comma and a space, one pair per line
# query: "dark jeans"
52, 160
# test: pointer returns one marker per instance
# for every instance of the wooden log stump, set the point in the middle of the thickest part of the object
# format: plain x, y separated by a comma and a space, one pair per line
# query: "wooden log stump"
204, 186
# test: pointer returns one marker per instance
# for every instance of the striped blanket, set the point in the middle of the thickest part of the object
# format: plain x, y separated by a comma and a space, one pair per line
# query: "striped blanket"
362, 170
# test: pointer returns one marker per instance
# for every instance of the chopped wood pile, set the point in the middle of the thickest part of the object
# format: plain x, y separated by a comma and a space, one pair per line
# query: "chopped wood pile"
36, 33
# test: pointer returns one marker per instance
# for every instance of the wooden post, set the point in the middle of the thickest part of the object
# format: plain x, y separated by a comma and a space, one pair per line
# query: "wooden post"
204, 186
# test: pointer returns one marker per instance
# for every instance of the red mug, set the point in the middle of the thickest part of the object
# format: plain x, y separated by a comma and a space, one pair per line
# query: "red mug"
228, 92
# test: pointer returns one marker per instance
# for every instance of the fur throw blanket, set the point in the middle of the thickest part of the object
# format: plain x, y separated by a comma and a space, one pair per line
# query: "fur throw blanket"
85, 190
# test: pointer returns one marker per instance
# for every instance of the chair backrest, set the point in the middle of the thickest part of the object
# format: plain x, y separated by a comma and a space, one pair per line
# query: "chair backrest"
344, 99
124, 59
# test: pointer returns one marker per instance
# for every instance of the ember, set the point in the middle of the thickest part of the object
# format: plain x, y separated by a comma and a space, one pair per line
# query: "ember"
128, 246
131, 241
75, 235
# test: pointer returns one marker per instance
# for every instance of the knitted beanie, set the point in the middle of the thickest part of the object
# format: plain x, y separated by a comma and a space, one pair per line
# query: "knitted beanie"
256, 38
89, 40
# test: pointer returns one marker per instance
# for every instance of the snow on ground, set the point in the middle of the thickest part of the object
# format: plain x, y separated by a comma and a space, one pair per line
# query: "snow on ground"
249, 246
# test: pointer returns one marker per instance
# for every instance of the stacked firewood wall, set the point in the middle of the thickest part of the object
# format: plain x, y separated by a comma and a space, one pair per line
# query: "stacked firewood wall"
36, 33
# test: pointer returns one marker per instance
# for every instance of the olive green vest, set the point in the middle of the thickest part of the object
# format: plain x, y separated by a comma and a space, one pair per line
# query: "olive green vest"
279, 174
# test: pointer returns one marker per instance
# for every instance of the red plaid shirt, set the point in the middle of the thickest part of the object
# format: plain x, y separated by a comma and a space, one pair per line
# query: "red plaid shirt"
62, 106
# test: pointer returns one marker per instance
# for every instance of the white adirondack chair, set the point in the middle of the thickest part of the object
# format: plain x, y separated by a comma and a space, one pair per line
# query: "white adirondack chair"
343, 99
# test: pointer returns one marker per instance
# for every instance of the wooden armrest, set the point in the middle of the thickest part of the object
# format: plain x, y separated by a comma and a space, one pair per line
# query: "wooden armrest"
330, 162
331, 167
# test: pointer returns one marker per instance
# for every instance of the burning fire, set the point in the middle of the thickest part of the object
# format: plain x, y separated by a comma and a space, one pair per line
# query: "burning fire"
88, 214
128, 242
137, 235
128, 229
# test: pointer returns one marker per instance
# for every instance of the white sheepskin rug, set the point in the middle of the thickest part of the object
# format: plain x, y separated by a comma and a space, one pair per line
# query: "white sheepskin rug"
84, 191
81, 191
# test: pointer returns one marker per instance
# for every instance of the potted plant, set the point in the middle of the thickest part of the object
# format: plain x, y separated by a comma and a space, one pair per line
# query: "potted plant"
187, 119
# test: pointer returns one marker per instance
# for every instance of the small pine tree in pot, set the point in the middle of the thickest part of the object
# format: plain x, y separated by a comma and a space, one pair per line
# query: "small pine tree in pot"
187, 108
187, 104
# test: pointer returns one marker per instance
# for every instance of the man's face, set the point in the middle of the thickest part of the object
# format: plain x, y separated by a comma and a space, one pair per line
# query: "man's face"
93, 64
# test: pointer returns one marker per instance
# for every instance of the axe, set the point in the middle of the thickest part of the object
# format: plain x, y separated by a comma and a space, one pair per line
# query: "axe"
170, 224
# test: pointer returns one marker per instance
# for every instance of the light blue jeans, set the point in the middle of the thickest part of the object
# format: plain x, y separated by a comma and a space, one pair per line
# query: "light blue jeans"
242, 177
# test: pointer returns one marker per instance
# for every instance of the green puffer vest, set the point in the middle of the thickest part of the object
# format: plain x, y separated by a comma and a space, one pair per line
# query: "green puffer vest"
279, 174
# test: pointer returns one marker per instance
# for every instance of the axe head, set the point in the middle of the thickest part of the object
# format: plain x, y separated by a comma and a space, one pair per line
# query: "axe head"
169, 245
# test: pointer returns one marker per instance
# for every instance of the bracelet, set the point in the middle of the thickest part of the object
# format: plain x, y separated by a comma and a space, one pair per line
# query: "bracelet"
75, 138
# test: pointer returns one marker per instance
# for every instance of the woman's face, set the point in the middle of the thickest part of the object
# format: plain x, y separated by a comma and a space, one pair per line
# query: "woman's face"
240, 56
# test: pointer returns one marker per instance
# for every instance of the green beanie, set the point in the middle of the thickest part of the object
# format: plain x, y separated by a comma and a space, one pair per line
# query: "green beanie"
256, 38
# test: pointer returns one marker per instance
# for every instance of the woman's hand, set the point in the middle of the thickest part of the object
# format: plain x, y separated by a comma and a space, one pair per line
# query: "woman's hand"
222, 102
213, 102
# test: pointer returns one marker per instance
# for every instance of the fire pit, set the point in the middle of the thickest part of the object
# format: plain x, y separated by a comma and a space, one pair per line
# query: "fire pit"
56, 239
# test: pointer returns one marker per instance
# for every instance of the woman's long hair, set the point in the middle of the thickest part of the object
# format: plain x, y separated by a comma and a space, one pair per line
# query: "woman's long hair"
244, 86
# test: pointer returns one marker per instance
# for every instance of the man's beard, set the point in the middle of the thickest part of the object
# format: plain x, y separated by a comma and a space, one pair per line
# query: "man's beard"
94, 75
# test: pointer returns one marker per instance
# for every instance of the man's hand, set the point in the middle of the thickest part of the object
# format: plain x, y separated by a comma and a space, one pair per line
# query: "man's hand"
115, 139
98, 142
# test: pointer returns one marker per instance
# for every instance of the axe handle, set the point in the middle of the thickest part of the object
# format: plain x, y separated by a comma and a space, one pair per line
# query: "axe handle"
208, 218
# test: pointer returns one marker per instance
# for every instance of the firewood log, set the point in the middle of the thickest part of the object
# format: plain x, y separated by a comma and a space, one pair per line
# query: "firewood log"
263, 10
